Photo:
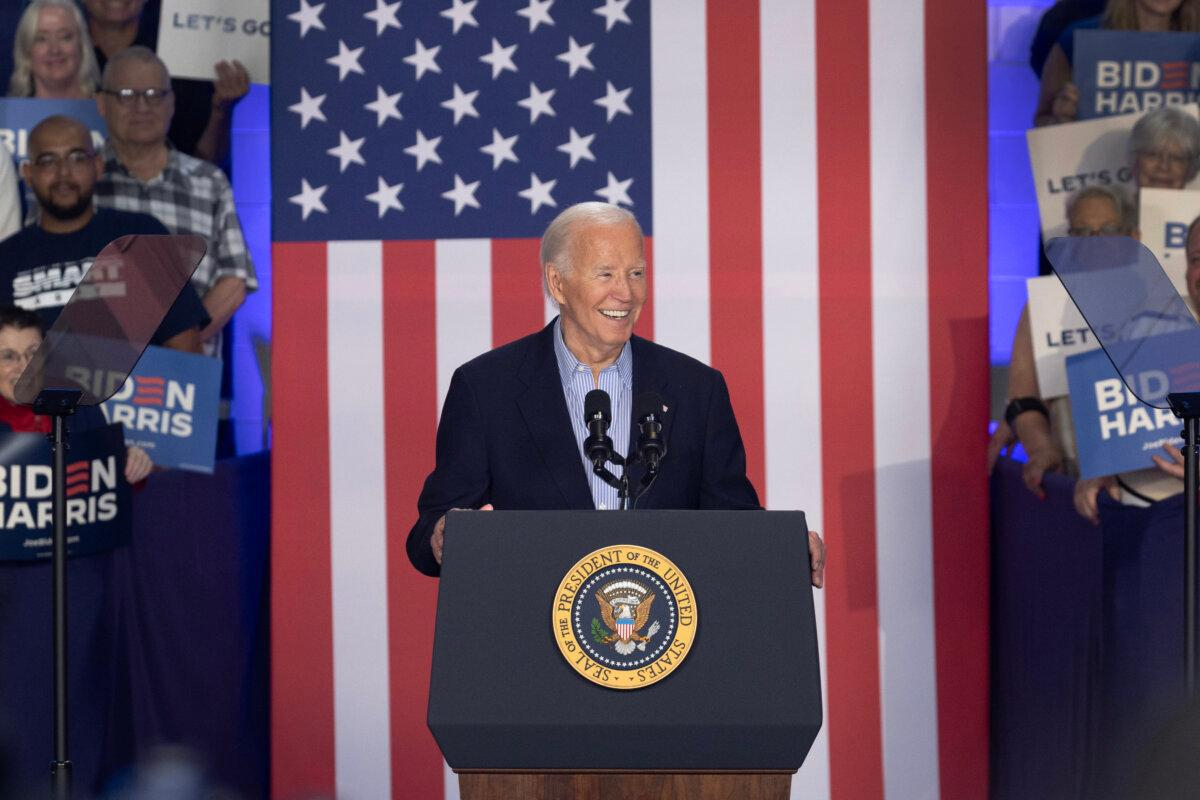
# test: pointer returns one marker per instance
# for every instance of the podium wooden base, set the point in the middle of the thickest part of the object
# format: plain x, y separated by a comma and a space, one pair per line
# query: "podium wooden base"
623, 785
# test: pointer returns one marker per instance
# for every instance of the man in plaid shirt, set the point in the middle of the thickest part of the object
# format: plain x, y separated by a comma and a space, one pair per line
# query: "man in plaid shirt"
144, 173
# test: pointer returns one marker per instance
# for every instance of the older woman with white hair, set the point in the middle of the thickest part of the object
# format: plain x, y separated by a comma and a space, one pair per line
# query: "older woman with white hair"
52, 53
1165, 149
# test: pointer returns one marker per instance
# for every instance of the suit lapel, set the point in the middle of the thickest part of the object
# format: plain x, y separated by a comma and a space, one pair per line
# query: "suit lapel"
648, 376
545, 412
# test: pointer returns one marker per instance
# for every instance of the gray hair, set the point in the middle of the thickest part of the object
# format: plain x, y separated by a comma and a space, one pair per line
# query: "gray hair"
1115, 194
21, 82
1168, 125
138, 53
556, 241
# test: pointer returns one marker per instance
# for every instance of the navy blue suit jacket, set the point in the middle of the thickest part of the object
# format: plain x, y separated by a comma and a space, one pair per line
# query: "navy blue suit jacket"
505, 439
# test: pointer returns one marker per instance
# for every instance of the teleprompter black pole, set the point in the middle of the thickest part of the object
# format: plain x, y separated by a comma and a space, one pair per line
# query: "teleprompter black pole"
59, 404
1191, 443
1186, 405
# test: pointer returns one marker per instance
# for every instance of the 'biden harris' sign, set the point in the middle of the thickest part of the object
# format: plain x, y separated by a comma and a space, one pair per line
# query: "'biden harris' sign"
1130, 72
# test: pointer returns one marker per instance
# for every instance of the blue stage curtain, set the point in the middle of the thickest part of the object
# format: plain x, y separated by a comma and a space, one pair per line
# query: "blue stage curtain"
1087, 639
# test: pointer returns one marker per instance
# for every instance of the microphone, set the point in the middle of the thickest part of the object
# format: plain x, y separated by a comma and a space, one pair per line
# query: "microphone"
597, 414
648, 411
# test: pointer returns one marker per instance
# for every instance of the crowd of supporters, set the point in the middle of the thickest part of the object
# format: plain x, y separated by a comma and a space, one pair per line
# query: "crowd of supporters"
161, 169
1163, 153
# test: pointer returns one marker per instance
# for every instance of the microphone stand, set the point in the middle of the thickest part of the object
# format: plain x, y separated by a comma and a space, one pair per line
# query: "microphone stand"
621, 484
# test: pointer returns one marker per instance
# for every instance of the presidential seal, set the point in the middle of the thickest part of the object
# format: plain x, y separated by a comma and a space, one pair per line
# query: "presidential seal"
624, 617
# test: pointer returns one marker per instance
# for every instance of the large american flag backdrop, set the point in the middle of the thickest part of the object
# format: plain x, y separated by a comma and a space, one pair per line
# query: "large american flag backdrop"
811, 176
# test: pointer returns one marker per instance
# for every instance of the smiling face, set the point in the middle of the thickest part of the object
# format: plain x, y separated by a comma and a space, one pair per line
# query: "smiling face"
55, 54
17, 346
136, 120
1158, 7
1165, 167
602, 293
114, 12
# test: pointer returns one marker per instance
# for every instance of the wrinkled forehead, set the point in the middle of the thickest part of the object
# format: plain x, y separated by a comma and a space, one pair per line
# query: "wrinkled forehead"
1096, 210
134, 74
12, 337
55, 18
622, 241
59, 135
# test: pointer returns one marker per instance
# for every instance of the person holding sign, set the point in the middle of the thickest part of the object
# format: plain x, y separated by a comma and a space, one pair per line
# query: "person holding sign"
52, 55
1095, 211
143, 173
20, 336
1058, 99
1174, 466
1045, 429
41, 265
204, 109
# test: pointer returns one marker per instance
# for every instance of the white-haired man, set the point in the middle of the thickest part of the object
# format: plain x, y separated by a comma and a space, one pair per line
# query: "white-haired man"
511, 433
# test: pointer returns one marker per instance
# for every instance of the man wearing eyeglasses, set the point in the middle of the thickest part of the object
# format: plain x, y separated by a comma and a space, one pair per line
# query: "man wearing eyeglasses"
41, 265
144, 173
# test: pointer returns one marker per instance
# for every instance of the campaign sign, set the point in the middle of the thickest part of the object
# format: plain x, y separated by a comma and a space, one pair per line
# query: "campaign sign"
1115, 431
1163, 217
169, 408
1072, 156
98, 513
1129, 72
19, 115
193, 35
1058, 330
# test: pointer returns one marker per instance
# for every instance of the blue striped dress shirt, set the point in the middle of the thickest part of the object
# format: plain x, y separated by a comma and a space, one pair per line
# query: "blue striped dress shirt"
617, 380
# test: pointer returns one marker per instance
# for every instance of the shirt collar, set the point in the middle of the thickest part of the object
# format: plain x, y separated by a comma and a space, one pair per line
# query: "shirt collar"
113, 164
568, 364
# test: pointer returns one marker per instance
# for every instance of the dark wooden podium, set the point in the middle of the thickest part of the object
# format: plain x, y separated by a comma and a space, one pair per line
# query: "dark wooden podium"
735, 719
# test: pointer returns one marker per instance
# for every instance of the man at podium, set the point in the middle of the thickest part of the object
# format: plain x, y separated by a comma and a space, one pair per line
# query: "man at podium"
513, 426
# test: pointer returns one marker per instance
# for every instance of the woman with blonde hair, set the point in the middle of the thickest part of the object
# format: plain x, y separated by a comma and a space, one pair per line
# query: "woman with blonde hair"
52, 53
1058, 100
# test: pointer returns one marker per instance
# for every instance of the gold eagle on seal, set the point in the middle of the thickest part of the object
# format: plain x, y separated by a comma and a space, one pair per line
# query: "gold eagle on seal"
625, 609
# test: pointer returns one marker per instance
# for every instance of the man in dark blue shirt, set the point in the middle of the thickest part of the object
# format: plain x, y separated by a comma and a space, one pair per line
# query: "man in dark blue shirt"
41, 265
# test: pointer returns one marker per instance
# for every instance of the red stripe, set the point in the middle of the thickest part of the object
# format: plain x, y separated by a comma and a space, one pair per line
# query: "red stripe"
410, 382
302, 738
735, 216
847, 409
76, 466
517, 306
74, 490
956, 125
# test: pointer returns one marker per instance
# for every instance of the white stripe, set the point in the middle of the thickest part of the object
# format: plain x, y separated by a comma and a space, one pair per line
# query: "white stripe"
358, 521
900, 320
450, 783
791, 330
463, 308
463, 287
680, 174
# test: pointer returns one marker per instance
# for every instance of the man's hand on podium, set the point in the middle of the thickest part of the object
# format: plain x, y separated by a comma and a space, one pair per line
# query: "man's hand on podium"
437, 541
816, 553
